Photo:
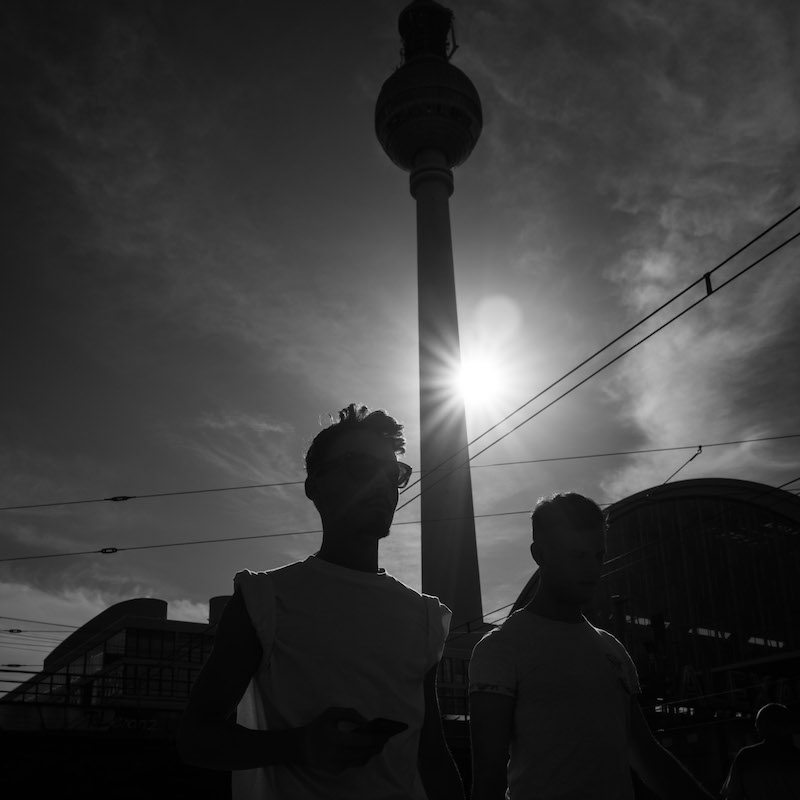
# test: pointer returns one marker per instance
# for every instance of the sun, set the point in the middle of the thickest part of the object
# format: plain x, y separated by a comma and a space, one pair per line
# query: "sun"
480, 382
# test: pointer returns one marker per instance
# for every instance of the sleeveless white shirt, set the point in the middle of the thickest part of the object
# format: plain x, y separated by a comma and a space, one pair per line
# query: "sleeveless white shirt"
333, 636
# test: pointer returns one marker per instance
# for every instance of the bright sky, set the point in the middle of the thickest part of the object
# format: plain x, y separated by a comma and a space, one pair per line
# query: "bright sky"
205, 251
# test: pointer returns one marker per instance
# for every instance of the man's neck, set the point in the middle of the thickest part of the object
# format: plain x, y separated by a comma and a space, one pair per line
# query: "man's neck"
546, 605
353, 553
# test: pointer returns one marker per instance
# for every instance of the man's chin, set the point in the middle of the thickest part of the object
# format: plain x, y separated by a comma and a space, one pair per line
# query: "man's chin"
375, 525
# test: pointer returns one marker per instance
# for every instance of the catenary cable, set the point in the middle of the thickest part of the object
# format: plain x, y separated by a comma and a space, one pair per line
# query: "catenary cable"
476, 621
705, 278
481, 621
112, 550
685, 464
243, 487
599, 370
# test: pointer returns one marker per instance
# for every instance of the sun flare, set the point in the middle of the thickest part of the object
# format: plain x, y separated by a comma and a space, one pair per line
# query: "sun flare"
480, 382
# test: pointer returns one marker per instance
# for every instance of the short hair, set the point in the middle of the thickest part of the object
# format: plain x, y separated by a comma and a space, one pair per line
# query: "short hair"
772, 720
565, 510
355, 417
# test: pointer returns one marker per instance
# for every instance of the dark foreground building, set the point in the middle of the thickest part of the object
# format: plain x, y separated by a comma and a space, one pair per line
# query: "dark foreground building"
99, 719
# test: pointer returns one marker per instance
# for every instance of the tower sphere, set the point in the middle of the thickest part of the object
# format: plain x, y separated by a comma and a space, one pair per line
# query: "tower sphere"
427, 104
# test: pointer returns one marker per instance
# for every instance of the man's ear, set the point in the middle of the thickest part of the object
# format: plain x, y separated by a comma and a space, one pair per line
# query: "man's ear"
310, 488
536, 552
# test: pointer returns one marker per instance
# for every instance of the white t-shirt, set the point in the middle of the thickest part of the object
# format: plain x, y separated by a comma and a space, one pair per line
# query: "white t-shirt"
764, 771
572, 684
333, 636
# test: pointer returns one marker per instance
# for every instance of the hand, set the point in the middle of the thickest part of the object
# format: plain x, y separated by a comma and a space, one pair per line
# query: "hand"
336, 741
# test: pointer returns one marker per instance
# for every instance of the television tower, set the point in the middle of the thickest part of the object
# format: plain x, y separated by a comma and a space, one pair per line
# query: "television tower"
428, 119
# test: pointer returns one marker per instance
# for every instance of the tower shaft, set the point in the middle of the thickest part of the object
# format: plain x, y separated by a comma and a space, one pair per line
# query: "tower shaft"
449, 551
428, 118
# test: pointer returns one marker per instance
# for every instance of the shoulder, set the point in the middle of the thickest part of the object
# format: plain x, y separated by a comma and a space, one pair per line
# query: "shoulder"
750, 754
619, 658
397, 586
499, 642
295, 568
610, 642
288, 573
434, 607
493, 666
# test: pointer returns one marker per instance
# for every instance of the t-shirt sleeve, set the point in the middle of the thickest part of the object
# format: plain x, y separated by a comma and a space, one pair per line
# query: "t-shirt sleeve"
258, 593
630, 675
492, 667
439, 616
630, 672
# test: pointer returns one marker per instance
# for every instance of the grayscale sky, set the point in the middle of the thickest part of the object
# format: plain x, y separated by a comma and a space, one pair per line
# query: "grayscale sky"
205, 252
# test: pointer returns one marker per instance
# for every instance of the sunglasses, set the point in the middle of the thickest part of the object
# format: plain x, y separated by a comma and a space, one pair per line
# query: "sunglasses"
363, 467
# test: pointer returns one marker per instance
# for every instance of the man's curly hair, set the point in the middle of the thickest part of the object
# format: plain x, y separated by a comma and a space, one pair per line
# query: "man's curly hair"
355, 417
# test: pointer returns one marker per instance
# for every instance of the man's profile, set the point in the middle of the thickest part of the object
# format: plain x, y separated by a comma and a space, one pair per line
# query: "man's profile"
330, 663
770, 769
553, 706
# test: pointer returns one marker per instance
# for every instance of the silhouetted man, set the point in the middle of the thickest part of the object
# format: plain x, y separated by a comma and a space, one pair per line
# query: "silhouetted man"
769, 770
557, 694
331, 661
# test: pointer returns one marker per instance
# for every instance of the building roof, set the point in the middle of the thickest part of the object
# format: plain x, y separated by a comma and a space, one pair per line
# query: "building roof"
141, 607
759, 495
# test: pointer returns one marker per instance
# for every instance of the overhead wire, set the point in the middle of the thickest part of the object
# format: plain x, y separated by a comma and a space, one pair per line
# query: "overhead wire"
750, 498
124, 497
592, 374
640, 451
685, 464
41, 622
112, 550
704, 278
482, 621
244, 487
30, 630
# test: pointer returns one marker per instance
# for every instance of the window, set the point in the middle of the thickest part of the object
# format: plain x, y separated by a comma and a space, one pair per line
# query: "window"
115, 646
446, 670
183, 683
764, 642
94, 660
711, 633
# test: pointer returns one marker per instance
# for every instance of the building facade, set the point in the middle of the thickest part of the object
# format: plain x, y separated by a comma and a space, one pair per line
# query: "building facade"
130, 668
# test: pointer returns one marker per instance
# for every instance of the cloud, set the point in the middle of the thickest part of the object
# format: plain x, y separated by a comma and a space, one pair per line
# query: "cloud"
704, 381
187, 610
67, 606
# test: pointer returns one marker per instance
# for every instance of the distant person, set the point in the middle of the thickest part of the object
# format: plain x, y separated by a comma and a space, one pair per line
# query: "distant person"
769, 770
553, 706
331, 661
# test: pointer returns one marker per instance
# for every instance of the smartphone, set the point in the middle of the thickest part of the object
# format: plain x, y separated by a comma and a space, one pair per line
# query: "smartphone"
384, 727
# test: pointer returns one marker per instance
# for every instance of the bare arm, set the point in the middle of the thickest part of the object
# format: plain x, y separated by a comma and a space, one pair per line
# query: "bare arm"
491, 721
209, 737
661, 772
437, 769
732, 788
